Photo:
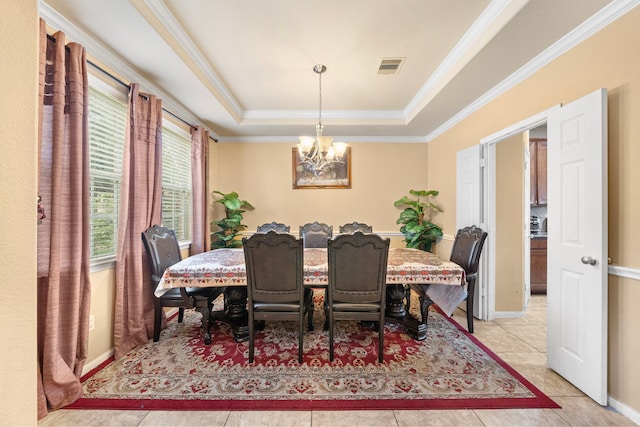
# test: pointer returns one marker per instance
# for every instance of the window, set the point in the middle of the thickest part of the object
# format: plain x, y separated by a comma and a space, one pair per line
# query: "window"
176, 181
107, 127
107, 121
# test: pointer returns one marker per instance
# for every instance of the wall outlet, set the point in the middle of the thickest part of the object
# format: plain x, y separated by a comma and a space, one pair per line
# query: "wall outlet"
92, 322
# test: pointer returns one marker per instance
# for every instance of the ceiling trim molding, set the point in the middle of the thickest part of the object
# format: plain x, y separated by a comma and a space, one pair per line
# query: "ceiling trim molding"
348, 139
484, 28
595, 23
389, 117
114, 61
191, 51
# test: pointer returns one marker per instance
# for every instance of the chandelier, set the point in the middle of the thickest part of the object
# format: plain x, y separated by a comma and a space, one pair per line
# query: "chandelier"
318, 155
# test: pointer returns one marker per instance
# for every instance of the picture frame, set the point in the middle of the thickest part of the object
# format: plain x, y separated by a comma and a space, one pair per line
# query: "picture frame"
335, 174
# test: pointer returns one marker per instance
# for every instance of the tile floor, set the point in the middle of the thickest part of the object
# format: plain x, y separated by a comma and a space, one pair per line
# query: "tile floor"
520, 342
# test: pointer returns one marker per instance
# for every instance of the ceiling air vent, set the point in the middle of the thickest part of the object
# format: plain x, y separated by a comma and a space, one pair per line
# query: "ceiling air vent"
390, 65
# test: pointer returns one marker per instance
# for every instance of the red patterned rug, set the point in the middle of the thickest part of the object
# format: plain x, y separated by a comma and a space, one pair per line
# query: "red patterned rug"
451, 369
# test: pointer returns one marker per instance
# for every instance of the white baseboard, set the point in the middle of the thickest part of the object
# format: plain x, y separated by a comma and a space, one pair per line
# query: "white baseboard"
97, 361
625, 410
508, 314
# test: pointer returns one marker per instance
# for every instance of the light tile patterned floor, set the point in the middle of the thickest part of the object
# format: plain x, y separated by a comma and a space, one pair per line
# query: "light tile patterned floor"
520, 342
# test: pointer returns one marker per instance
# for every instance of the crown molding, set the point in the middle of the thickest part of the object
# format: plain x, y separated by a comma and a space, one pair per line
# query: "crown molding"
288, 139
483, 29
595, 23
189, 50
114, 61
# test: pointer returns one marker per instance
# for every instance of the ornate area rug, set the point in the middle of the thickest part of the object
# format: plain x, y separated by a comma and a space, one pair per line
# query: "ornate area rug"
450, 369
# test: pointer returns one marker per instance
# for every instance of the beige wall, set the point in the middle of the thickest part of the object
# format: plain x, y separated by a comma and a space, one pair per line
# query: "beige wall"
508, 239
261, 174
102, 310
18, 193
609, 59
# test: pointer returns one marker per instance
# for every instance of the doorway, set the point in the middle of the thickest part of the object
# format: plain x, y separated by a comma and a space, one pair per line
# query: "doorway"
577, 244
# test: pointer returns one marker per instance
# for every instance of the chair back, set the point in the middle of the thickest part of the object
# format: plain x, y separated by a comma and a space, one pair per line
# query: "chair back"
315, 234
278, 227
162, 248
467, 248
355, 226
358, 268
275, 268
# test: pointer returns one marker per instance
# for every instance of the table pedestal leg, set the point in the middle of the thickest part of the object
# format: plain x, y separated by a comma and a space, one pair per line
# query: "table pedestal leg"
396, 312
235, 312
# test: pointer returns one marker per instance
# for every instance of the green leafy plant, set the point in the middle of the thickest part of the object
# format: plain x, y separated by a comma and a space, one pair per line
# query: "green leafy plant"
231, 225
418, 230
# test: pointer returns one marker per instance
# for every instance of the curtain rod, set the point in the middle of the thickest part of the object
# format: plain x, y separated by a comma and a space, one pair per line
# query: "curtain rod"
116, 79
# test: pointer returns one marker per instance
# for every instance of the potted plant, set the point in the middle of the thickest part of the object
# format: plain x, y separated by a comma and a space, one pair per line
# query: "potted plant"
418, 230
231, 225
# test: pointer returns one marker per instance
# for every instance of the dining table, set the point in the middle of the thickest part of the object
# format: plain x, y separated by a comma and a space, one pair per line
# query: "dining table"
405, 266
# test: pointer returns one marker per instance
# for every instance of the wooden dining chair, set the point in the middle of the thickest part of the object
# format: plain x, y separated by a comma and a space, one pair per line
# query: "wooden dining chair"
316, 235
466, 251
355, 226
162, 250
275, 290
278, 227
357, 282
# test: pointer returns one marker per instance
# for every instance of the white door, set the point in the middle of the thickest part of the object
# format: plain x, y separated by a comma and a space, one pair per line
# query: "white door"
577, 244
469, 208
526, 262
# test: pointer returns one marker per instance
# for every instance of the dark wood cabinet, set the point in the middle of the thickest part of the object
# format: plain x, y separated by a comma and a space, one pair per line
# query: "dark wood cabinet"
538, 170
539, 266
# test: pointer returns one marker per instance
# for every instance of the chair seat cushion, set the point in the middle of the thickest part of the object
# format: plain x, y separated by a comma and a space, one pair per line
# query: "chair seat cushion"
360, 307
264, 306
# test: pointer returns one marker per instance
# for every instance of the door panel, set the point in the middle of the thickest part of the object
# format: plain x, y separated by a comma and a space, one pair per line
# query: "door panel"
577, 244
469, 208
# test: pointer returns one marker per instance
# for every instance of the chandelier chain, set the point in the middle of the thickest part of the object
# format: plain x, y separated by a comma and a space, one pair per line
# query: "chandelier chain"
320, 100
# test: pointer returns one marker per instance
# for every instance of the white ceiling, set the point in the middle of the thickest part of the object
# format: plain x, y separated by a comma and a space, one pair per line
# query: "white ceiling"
244, 68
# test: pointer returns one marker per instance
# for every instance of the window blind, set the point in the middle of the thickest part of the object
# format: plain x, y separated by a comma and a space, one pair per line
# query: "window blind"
176, 182
107, 121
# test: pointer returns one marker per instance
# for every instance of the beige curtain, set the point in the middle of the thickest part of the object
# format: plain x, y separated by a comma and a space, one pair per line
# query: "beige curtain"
63, 236
140, 204
200, 237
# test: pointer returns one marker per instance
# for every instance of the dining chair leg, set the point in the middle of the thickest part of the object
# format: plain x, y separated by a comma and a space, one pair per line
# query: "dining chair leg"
330, 320
157, 320
252, 330
470, 294
326, 309
300, 338
203, 306
381, 340
310, 307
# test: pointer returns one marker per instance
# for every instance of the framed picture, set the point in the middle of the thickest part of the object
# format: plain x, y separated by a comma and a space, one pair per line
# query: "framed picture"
321, 173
